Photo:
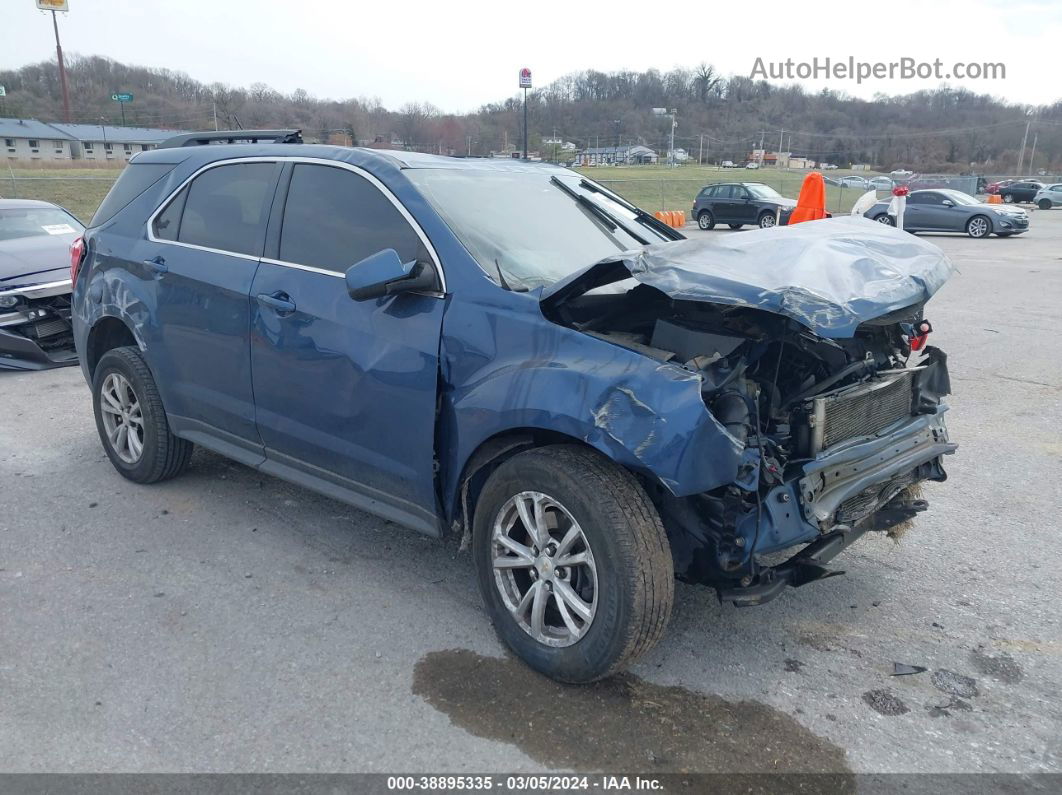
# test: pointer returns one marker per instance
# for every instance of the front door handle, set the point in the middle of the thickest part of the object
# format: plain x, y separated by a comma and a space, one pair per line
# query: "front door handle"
279, 302
156, 264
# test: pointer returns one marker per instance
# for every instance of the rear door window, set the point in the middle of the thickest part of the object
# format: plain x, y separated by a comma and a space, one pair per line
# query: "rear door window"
334, 218
227, 207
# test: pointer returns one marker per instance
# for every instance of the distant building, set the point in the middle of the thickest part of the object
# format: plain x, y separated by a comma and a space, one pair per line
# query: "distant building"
616, 155
560, 143
30, 139
104, 142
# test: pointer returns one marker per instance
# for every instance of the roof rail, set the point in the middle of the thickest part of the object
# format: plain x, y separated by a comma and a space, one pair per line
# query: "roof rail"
233, 137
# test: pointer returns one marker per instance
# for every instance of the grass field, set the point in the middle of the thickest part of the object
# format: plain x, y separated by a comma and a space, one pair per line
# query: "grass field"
650, 187
77, 189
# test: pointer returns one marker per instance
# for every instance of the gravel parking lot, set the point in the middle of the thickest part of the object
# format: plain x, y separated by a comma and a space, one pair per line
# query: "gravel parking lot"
227, 621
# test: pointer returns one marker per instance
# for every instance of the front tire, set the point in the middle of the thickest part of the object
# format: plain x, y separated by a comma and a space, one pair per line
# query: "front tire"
767, 220
979, 226
132, 422
572, 561
705, 220
1045, 204
885, 218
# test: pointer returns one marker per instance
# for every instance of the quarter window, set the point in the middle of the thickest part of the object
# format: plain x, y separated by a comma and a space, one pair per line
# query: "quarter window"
334, 218
227, 207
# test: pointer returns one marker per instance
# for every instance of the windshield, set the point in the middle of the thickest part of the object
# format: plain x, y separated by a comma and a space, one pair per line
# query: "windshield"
763, 192
959, 197
526, 227
19, 222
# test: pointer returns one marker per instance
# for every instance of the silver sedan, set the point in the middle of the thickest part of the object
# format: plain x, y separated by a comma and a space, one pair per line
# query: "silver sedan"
947, 210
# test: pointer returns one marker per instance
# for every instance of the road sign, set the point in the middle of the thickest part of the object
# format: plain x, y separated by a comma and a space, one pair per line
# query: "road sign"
53, 5
3, 91
525, 78
122, 97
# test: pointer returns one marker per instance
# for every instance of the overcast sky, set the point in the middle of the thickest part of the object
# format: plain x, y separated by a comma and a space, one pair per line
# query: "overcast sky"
459, 55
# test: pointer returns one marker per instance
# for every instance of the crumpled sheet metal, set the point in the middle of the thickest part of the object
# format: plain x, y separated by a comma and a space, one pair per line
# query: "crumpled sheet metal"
829, 275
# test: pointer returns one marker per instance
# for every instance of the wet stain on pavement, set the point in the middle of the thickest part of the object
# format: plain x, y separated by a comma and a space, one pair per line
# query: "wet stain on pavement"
1000, 666
954, 684
623, 723
885, 702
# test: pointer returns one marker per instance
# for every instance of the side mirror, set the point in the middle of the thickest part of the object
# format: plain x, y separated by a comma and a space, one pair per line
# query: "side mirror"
383, 273
948, 203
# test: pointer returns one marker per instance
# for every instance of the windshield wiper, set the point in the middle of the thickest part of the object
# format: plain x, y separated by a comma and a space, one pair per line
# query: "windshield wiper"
609, 221
647, 220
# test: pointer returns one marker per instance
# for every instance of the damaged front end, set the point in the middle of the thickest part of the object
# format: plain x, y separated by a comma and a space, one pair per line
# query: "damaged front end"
35, 330
810, 346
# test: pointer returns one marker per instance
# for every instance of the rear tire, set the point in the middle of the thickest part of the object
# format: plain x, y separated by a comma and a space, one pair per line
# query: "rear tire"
1008, 198
132, 422
705, 220
1045, 204
625, 585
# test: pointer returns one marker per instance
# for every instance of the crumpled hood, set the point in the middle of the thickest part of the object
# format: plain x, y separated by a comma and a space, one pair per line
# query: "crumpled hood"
829, 275
34, 260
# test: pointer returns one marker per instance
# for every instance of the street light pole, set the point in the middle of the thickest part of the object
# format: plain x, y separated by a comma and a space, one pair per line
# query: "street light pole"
525, 122
62, 70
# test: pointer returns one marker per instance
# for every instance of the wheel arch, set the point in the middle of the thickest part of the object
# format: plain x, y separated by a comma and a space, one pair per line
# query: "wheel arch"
488, 456
107, 333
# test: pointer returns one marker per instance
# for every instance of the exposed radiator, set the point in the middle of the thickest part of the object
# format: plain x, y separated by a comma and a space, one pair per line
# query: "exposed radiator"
860, 410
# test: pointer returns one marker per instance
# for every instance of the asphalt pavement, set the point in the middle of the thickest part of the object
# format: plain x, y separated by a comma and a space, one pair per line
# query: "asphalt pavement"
227, 621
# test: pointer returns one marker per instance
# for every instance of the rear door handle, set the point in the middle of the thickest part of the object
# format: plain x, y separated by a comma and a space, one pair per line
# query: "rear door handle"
156, 264
279, 302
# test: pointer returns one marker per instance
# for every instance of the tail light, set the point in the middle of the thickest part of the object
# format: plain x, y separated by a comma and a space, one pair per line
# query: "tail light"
77, 253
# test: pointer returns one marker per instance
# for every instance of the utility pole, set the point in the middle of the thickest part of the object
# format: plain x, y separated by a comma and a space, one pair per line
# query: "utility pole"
1021, 157
62, 70
700, 151
1032, 157
215, 115
778, 154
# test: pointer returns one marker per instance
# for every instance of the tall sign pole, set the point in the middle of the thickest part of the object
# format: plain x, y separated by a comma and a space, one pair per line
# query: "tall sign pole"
54, 6
525, 83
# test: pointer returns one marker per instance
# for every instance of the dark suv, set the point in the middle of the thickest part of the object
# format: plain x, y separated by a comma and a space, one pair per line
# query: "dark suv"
740, 203
511, 352
1023, 191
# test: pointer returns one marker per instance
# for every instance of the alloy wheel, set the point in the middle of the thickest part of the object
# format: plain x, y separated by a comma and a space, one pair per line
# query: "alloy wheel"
978, 227
544, 569
767, 221
123, 420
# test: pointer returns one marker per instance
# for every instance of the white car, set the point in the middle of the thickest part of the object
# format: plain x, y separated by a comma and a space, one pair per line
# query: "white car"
900, 173
752, 164
881, 183
854, 181
1048, 196
828, 166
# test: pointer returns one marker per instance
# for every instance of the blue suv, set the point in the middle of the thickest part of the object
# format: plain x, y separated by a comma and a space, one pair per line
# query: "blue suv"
513, 353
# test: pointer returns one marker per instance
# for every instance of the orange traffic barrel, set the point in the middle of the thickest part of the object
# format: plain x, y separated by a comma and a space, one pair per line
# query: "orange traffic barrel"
993, 198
